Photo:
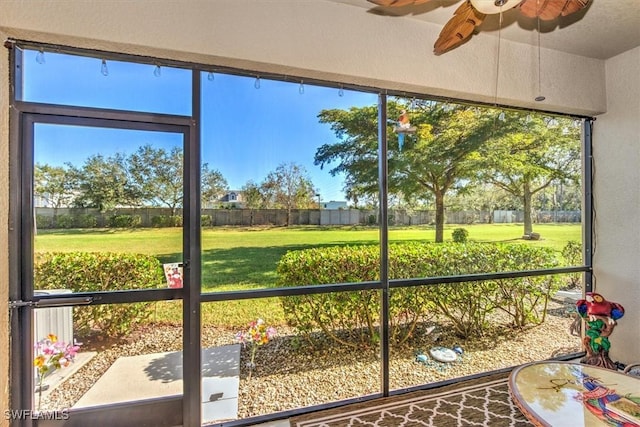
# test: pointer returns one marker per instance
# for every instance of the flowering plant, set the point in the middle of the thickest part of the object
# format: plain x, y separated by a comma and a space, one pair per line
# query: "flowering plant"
256, 335
51, 354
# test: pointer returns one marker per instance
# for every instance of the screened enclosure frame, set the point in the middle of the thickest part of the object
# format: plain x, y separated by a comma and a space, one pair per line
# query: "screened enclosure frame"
187, 409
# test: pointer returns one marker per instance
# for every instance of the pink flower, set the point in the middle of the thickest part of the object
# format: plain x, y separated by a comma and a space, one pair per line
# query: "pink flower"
257, 333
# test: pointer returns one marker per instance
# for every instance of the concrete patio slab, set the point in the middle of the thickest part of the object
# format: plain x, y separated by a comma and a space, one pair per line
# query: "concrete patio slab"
160, 374
569, 295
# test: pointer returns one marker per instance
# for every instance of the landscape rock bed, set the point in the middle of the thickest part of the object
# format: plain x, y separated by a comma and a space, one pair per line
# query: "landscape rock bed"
289, 375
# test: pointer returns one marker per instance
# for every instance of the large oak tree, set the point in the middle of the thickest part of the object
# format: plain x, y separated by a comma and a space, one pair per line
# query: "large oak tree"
537, 152
441, 156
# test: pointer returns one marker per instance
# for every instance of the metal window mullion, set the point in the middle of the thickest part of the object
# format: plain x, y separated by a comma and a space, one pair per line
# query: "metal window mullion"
192, 358
109, 118
587, 178
384, 242
27, 222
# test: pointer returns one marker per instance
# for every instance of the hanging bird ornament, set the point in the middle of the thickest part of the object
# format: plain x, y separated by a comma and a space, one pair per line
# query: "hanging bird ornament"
403, 127
601, 317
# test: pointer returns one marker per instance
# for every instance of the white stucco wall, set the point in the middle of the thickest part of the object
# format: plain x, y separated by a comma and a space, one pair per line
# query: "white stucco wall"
617, 200
315, 39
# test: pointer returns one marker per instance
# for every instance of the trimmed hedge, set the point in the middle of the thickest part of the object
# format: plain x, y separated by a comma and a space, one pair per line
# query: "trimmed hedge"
125, 221
460, 235
64, 221
86, 221
206, 221
166, 221
44, 221
466, 305
100, 271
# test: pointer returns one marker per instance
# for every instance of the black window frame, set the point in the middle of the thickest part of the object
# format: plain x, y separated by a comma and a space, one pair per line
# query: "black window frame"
24, 114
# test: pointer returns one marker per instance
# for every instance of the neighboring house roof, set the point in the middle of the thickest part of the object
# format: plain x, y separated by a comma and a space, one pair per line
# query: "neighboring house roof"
232, 197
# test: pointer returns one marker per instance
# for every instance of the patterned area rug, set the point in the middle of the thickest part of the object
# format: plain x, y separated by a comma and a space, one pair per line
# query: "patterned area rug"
480, 402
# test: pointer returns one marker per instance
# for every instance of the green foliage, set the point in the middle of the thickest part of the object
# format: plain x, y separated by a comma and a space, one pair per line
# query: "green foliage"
435, 160
44, 221
86, 221
287, 187
125, 221
54, 184
206, 221
94, 272
535, 152
525, 299
460, 235
157, 174
333, 313
143, 177
64, 221
166, 221
103, 183
466, 305
572, 254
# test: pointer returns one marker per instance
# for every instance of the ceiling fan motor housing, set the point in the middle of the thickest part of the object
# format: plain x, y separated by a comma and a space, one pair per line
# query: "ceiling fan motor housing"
490, 7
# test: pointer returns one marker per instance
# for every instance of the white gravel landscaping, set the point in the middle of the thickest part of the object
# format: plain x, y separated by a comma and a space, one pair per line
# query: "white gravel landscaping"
289, 375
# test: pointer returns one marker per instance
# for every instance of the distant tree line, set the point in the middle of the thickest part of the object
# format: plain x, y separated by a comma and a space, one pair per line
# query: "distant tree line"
458, 157
154, 177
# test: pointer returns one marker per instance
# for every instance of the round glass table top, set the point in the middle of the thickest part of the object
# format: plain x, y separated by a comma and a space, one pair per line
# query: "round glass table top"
573, 394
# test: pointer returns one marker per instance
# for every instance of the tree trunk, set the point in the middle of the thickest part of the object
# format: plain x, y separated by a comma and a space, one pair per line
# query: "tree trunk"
439, 216
528, 223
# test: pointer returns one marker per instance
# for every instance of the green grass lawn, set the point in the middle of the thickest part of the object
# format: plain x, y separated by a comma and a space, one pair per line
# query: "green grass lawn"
246, 258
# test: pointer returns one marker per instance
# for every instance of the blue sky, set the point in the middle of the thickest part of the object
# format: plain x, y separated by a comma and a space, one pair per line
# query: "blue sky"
246, 132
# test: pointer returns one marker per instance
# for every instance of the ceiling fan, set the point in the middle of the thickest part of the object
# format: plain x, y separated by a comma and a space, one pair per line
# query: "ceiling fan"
471, 13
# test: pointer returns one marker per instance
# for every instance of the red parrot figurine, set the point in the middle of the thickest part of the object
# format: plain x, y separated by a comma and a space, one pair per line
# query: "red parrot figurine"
595, 305
601, 316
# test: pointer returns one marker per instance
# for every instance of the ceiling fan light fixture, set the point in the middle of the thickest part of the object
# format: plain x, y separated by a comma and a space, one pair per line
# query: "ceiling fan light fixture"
494, 6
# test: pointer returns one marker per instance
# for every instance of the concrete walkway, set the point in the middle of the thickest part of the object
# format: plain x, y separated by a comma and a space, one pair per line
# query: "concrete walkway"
160, 374
569, 295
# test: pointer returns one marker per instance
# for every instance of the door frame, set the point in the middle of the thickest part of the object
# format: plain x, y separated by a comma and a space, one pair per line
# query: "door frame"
166, 411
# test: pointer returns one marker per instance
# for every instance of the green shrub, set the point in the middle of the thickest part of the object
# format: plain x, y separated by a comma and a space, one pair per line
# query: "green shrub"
572, 254
467, 305
460, 235
86, 221
44, 221
333, 313
94, 272
166, 221
206, 221
525, 299
64, 221
125, 221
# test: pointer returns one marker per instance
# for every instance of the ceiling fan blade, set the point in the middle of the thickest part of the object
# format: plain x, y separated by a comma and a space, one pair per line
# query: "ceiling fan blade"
551, 9
573, 6
459, 28
397, 3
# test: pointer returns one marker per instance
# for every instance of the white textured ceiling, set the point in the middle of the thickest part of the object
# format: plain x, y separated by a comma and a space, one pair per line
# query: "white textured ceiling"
604, 29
